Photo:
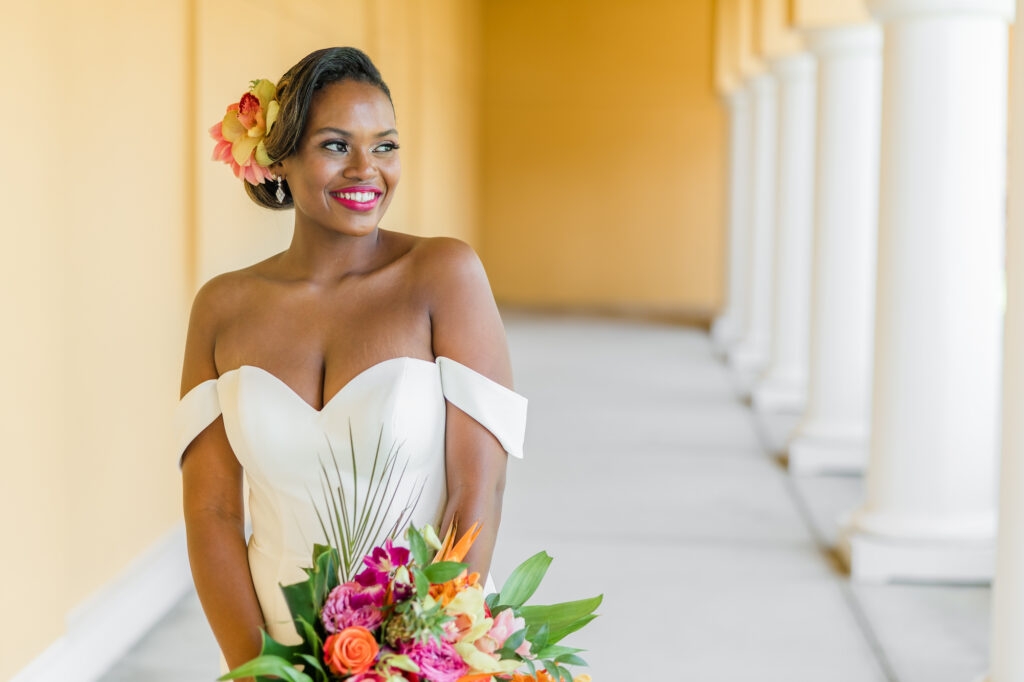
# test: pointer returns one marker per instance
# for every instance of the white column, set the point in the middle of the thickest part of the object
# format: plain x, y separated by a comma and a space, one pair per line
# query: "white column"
783, 386
728, 327
1007, 654
929, 512
750, 354
833, 433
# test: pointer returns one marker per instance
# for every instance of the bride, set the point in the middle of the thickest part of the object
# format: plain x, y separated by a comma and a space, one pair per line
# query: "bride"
353, 331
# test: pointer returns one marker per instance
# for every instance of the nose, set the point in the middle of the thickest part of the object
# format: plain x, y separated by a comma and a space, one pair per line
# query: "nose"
361, 165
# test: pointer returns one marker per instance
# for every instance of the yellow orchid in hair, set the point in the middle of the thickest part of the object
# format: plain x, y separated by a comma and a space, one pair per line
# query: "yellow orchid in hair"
240, 134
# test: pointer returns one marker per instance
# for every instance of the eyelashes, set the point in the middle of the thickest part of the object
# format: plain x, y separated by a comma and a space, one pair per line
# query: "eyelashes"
391, 146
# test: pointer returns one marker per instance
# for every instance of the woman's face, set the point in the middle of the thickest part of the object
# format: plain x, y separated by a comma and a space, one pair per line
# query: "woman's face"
346, 167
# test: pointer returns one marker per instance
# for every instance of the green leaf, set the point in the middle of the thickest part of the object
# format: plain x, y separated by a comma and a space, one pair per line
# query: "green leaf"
314, 662
559, 633
299, 597
444, 571
271, 646
325, 575
420, 553
311, 636
491, 600
515, 640
267, 665
558, 617
555, 650
524, 581
422, 584
540, 639
571, 659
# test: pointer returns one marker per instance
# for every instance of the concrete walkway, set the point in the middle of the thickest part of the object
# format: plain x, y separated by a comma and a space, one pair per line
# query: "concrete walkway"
647, 481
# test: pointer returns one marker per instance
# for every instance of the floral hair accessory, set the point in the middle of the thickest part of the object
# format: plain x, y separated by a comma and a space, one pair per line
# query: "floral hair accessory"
240, 135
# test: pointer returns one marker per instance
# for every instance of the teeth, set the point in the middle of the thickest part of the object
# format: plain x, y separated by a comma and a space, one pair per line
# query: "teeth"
361, 197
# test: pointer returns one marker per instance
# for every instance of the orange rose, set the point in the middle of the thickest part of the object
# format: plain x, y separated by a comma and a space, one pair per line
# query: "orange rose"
351, 651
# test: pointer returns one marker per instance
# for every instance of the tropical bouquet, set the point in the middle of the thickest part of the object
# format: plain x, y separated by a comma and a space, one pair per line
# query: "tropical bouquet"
412, 611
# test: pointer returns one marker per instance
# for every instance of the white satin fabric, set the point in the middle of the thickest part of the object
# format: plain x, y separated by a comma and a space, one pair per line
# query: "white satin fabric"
280, 440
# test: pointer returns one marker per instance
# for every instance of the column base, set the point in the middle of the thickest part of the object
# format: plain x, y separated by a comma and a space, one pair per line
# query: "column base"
725, 333
775, 429
748, 357
780, 392
818, 449
876, 559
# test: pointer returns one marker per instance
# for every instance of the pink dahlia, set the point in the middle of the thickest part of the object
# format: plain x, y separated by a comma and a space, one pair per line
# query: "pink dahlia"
438, 661
351, 604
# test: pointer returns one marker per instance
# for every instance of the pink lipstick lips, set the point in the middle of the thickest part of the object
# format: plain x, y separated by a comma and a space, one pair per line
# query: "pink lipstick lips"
359, 198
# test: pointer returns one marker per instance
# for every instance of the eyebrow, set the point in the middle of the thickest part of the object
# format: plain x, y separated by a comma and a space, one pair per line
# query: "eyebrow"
339, 131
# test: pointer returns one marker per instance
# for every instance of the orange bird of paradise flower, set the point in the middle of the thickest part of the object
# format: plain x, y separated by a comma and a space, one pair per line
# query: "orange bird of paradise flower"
455, 551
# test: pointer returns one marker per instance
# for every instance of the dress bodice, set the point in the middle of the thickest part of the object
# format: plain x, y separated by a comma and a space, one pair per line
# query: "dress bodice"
281, 441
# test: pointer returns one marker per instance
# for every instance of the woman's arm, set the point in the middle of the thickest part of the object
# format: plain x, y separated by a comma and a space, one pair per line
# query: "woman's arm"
213, 506
466, 326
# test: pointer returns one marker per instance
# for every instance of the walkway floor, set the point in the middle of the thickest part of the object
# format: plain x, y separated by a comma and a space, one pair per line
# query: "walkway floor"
647, 481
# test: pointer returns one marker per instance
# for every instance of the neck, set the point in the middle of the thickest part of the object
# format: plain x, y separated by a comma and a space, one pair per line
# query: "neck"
322, 255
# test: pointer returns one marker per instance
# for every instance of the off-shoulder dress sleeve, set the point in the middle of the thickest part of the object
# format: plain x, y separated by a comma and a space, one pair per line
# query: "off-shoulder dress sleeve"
498, 408
195, 411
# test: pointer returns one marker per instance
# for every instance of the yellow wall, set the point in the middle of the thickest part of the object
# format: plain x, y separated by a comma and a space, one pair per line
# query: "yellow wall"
603, 154
727, 51
821, 13
96, 178
749, 59
776, 36
115, 215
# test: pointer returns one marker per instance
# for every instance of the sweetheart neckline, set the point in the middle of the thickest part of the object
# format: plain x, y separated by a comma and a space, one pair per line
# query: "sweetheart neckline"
340, 391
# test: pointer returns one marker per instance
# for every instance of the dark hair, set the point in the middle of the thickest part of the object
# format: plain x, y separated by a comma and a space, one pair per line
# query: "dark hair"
295, 92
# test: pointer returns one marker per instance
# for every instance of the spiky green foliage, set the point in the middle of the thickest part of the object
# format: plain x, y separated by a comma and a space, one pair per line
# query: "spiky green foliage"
357, 524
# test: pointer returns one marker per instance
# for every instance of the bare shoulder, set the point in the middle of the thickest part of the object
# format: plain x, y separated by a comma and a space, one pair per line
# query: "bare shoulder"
213, 303
449, 270
219, 296
465, 323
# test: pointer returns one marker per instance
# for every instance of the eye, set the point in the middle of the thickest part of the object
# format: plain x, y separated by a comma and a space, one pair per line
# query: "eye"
342, 146
333, 144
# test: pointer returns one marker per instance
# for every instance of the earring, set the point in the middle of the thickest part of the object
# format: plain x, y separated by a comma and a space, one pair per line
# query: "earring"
280, 191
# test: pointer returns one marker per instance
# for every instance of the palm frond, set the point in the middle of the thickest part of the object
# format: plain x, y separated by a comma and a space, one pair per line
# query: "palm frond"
353, 524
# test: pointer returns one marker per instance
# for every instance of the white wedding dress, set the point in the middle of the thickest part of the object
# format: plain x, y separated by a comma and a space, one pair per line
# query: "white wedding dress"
280, 440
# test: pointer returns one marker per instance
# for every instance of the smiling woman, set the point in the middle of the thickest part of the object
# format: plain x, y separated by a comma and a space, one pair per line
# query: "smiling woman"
353, 338
297, 90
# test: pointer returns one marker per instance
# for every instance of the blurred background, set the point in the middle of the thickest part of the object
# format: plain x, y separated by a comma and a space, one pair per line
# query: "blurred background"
750, 258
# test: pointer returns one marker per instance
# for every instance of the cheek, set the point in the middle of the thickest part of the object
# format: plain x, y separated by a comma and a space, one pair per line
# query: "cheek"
393, 173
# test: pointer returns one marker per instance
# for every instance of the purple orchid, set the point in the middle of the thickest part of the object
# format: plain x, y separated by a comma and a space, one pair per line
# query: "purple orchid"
387, 558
